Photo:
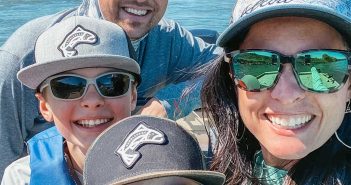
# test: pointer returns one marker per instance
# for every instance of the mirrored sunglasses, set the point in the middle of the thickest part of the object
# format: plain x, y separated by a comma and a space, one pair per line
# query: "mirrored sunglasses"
319, 71
73, 87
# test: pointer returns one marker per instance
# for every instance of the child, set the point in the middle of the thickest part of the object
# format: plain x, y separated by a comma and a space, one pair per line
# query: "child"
85, 80
142, 150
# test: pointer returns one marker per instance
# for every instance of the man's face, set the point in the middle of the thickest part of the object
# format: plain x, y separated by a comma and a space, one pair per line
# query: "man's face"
136, 17
288, 121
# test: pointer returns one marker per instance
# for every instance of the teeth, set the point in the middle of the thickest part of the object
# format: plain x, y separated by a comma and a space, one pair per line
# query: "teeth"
92, 123
290, 121
136, 12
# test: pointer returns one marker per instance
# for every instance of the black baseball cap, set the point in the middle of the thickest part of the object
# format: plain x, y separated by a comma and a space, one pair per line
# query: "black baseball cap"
141, 148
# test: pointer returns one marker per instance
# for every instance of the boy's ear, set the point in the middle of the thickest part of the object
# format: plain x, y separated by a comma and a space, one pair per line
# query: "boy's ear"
134, 97
44, 108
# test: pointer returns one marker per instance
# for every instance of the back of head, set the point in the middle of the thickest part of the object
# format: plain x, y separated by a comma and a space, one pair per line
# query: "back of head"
79, 42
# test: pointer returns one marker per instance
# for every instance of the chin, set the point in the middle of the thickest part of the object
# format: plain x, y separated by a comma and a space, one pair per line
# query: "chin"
290, 153
134, 31
288, 149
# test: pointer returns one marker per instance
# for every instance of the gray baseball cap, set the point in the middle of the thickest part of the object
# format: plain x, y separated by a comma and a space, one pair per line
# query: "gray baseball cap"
79, 42
336, 13
142, 148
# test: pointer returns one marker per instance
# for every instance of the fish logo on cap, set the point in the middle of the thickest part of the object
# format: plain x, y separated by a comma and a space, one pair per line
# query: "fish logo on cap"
77, 36
140, 136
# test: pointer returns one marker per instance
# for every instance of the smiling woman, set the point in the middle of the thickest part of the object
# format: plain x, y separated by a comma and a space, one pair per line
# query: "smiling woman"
277, 96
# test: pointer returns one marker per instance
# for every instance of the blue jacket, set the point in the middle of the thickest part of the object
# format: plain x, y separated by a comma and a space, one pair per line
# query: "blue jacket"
47, 162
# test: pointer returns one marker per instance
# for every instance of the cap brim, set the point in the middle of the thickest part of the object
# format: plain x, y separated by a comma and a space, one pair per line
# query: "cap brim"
33, 75
232, 36
204, 177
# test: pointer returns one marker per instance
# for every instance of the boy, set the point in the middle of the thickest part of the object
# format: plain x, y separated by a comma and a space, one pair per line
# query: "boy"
143, 150
85, 80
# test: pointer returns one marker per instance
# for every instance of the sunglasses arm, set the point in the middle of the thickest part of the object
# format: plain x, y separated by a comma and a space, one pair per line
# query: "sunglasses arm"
43, 86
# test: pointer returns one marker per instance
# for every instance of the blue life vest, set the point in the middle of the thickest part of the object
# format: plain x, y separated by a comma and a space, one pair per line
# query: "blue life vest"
47, 163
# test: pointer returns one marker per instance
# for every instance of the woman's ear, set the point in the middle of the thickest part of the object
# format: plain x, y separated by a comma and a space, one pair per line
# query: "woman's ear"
134, 97
44, 107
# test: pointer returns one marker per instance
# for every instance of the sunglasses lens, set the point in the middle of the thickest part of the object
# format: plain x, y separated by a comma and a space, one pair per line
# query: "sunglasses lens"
112, 85
68, 87
322, 71
255, 70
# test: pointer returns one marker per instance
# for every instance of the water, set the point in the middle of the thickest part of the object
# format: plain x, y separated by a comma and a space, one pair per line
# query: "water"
192, 14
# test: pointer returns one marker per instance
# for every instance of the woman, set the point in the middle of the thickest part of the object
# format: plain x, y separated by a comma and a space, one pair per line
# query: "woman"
278, 94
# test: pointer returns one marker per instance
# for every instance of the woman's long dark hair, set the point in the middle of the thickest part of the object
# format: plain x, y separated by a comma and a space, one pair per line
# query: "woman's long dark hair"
236, 146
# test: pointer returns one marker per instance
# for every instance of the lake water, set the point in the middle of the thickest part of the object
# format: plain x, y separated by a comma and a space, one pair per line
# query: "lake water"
192, 14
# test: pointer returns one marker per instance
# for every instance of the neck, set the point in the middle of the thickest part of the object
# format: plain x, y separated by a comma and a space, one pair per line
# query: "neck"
139, 39
276, 162
77, 157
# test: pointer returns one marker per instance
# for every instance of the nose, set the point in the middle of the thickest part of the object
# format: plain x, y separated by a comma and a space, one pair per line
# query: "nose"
92, 98
287, 89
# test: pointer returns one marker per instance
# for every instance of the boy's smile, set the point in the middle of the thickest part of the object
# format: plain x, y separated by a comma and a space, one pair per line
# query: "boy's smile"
92, 122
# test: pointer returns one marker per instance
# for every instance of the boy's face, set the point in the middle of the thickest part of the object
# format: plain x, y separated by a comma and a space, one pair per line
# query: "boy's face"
71, 117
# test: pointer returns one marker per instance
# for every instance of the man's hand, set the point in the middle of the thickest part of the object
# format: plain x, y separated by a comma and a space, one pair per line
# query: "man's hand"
153, 108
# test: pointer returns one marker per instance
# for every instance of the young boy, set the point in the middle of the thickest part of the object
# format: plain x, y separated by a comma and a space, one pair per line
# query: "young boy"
144, 150
86, 81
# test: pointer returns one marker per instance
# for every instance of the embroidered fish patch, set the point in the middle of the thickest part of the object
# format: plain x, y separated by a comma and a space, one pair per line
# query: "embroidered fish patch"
77, 36
140, 136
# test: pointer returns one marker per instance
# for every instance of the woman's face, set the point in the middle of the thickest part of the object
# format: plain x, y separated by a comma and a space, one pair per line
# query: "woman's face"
267, 114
